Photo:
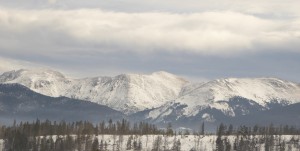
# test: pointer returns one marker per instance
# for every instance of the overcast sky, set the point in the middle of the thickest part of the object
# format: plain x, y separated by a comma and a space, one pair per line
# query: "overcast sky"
197, 39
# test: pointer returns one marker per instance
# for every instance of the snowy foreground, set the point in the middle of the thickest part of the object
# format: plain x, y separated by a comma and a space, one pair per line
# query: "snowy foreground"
180, 142
187, 143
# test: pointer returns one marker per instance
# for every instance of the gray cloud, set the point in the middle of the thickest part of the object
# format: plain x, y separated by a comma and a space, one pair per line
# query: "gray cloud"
195, 67
7, 64
208, 33
195, 38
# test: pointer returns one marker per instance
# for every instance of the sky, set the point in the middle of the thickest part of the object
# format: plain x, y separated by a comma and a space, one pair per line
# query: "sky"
195, 39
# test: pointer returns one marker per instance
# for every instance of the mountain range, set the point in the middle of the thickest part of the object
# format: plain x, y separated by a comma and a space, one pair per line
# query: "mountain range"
162, 97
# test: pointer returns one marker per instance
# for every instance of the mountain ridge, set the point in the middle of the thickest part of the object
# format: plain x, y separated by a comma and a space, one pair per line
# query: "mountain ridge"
162, 97
131, 93
125, 92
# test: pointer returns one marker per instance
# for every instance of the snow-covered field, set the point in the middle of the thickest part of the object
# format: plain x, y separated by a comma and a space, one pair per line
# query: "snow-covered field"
166, 142
185, 142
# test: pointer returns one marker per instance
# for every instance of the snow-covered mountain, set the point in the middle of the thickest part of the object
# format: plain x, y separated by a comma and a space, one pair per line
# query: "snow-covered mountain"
44, 81
222, 98
163, 97
126, 92
131, 93
261, 90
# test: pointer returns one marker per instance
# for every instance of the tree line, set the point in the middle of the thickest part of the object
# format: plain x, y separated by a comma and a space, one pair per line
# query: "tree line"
63, 136
44, 128
258, 130
268, 138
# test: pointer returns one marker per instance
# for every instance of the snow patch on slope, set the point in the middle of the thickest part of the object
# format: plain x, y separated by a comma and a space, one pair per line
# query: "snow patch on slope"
44, 81
260, 90
126, 92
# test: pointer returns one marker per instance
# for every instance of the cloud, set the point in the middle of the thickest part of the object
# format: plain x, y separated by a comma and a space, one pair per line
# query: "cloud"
53, 32
188, 37
52, 1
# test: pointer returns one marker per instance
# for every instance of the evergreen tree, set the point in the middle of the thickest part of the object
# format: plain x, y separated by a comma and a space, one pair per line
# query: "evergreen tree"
69, 143
178, 145
105, 146
134, 145
169, 131
227, 145
157, 143
202, 129
43, 145
128, 145
166, 143
101, 146
230, 130
95, 145
282, 146
51, 143
219, 143
139, 147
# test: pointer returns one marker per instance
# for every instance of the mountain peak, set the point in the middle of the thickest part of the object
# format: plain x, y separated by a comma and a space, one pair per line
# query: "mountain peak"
45, 81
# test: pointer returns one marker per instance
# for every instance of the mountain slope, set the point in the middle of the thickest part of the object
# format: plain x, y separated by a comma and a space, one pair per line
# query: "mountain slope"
127, 92
280, 116
264, 93
216, 100
259, 89
246, 112
44, 81
19, 102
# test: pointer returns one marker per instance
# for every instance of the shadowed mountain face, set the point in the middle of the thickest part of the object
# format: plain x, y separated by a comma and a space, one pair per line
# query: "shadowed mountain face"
20, 103
238, 111
287, 115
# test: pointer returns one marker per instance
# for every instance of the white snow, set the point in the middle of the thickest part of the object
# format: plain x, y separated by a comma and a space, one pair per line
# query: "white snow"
260, 90
160, 112
126, 92
130, 93
207, 117
188, 142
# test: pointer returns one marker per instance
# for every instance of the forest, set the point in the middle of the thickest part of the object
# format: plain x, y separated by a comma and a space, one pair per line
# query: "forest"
123, 135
